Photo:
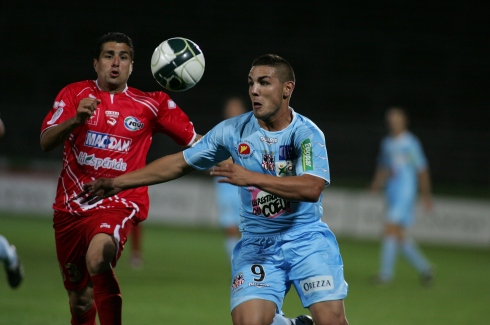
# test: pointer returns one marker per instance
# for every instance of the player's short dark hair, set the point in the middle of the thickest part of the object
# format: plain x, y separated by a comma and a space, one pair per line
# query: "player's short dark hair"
114, 37
283, 68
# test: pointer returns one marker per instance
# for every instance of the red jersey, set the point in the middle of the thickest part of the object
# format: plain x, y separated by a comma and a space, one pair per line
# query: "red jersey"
114, 141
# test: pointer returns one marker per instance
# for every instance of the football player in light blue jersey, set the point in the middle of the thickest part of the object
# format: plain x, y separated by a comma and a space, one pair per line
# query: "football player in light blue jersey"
281, 167
402, 168
227, 199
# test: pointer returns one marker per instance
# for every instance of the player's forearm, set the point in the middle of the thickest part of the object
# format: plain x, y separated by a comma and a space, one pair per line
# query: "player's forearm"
380, 177
424, 182
56, 135
159, 171
306, 188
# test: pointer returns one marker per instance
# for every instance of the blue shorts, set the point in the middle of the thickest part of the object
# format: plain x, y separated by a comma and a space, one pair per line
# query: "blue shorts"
401, 209
307, 256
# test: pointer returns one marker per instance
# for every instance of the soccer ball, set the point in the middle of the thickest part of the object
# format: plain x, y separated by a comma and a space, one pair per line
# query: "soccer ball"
177, 64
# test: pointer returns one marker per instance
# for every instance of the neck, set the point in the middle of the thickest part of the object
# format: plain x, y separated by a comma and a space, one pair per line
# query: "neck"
107, 87
277, 122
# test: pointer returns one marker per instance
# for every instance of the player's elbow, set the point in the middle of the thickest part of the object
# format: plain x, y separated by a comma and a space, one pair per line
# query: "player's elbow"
312, 194
45, 147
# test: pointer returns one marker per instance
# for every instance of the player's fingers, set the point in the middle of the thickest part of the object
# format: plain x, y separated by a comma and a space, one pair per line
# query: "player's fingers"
94, 200
81, 194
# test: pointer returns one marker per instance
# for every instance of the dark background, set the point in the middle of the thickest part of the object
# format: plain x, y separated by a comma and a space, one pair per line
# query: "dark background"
352, 61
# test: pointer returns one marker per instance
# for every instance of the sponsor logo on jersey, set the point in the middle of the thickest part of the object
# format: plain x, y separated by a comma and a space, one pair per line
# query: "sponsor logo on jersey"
171, 104
285, 168
59, 110
133, 124
258, 284
286, 152
105, 225
245, 150
96, 162
307, 155
237, 281
106, 141
111, 117
317, 283
268, 160
268, 140
268, 205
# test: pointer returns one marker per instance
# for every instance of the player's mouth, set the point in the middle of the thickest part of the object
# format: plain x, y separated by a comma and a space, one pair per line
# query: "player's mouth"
257, 105
114, 74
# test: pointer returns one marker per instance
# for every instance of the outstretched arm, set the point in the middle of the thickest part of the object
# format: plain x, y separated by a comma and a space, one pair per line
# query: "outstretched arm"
159, 171
294, 188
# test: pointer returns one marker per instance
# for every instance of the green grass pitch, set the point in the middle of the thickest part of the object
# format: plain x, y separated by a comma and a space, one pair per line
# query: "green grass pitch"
185, 280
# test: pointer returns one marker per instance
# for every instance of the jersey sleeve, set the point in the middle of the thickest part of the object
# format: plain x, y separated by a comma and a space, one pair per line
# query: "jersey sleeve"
311, 151
64, 108
209, 150
172, 121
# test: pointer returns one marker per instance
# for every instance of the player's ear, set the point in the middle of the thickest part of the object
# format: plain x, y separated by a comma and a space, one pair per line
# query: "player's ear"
95, 64
131, 67
287, 89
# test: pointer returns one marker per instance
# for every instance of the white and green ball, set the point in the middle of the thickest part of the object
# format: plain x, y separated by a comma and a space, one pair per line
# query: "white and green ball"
177, 64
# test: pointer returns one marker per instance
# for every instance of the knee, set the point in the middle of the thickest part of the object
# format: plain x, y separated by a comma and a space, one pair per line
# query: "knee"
80, 302
97, 265
100, 254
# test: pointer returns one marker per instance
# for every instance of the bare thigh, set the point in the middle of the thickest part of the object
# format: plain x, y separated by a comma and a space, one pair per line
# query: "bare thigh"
254, 312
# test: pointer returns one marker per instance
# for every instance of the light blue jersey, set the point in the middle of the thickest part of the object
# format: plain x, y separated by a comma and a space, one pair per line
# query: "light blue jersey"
298, 149
404, 158
228, 203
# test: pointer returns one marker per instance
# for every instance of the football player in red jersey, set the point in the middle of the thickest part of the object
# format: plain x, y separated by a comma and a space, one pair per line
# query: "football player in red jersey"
106, 128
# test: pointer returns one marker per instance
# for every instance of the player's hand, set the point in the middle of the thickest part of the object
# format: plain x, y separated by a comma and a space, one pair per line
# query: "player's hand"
427, 202
232, 173
86, 109
97, 190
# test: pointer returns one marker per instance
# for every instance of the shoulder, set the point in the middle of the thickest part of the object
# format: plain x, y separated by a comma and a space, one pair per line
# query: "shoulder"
303, 124
155, 95
80, 86
156, 100
412, 138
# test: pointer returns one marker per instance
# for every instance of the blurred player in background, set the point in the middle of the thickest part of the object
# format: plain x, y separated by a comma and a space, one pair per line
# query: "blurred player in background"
8, 254
402, 167
227, 195
11, 263
136, 258
281, 165
105, 128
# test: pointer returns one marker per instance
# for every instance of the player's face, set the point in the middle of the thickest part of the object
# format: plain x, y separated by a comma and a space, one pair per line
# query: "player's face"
113, 66
267, 93
396, 121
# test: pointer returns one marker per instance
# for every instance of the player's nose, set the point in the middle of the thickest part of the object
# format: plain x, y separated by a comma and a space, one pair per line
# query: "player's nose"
116, 61
254, 90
